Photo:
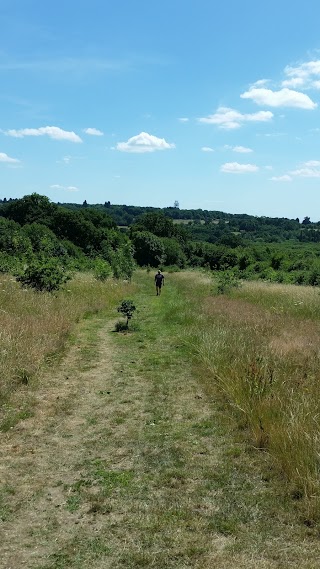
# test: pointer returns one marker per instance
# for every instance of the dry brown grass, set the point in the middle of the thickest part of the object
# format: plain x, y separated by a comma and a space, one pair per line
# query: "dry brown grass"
261, 345
34, 326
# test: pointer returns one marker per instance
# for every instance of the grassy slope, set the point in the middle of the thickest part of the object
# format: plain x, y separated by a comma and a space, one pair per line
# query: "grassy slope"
135, 463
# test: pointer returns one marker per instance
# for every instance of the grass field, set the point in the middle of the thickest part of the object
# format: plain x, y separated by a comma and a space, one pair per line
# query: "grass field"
189, 442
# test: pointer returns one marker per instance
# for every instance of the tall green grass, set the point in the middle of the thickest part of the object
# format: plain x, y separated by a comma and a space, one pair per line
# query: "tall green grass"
260, 346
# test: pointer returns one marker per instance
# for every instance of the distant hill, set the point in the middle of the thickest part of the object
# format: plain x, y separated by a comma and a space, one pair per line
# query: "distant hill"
212, 226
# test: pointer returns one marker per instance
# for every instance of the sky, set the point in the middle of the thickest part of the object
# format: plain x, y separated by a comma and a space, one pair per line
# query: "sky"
213, 104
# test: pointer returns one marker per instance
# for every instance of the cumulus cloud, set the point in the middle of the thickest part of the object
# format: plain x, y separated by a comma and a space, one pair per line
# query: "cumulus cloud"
144, 142
283, 98
284, 178
93, 131
310, 169
304, 75
207, 149
236, 168
7, 159
53, 132
183, 119
64, 188
229, 119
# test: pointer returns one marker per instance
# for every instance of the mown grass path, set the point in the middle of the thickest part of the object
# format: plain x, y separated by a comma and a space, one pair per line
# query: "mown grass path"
130, 461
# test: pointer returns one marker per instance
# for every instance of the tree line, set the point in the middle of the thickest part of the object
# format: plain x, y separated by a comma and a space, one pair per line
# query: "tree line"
34, 232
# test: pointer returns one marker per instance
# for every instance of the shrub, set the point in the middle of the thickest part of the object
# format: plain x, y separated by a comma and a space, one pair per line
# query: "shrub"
44, 276
120, 326
225, 282
102, 270
127, 308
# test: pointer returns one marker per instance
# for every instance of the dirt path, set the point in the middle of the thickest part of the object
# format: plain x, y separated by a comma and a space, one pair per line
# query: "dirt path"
43, 457
87, 466
126, 464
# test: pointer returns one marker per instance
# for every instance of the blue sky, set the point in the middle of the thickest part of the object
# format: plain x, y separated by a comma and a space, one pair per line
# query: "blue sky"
214, 104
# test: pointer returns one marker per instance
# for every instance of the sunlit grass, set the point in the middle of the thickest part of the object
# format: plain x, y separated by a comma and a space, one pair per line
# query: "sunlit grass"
34, 326
261, 346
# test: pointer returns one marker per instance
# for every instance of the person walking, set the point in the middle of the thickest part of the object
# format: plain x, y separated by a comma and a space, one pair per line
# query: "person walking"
159, 281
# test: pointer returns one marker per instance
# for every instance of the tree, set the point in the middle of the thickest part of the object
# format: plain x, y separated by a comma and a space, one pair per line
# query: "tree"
149, 249
306, 220
156, 223
176, 204
127, 308
46, 276
30, 209
173, 252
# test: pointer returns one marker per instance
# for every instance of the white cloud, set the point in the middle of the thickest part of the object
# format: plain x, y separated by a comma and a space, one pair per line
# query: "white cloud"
228, 119
93, 131
183, 119
312, 163
236, 168
52, 131
294, 82
7, 159
283, 98
284, 178
144, 142
310, 169
64, 188
261, 82
240, 149
305, 75
207, 149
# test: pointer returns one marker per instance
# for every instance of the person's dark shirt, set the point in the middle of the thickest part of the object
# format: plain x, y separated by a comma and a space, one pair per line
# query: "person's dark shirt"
158, 279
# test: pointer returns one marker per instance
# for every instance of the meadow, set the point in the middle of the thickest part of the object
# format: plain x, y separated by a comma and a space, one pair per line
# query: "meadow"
260, 346
191, 440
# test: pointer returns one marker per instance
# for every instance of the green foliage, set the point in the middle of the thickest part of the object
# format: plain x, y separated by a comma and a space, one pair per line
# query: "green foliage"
102, 270
33, 230
225, 282
121, 326
12, 238
122, 262
42, 239
9, 264
127, 308
149, 249
30, 209
274, 249
44, 276
173, 252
